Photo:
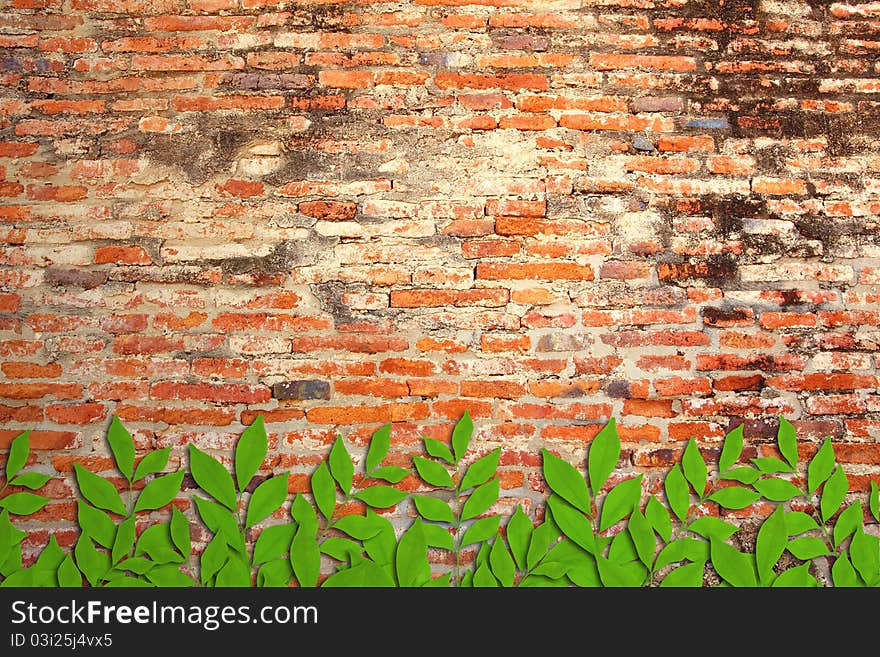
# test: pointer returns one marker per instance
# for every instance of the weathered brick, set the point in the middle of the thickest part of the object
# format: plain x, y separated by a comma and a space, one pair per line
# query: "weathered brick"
305, 389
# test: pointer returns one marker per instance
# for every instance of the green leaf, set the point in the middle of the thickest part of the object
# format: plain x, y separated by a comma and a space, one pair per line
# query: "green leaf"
68, 575
32, 480
124, 541
51, 556
864, 552
100, 492
411, 563
438, 450
122, 446
564, 480
734, 567
304, 514
732, 449
820, 466
787, 441
461, 435
180, 532
734, 497
553, 570
771, 465
169, 575
267, 498
481, 470
695, 470
341, 466
842, 572
250, 452
275, 574
483, 577
603, 456
807, 547
23, 503
436, 536
212, 477
480, 530
381, 497
159, 492
658, 516
234, 573
155, 541
712, 527
391, 473
689, 575
546, 533
770, 544
273, 542
680, 549
430, 508
798, 576
874, 501
572, 523
214, 557
152, 463
480, 500
622, 549
677, 492
798, 522
847, 522
220, 521
620, 501
625, 575
360, 527
324, 490
379, 445
19, 449
642, 536
364, 574
91, 562
519, 535
833, 494
12, 563
432, 472
137, 565
305, 557
501, 563
95, 523
776, 489
744, 475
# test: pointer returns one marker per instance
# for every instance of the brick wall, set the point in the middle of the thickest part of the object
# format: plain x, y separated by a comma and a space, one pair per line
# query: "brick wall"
547, 212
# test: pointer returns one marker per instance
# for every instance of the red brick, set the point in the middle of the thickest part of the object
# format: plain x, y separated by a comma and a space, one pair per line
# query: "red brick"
219, 392
342, 79
122, 255
536, 271
76, 413
490, 297
649, 407
344, 415
20, 370
509, 81
612, 61
328, 210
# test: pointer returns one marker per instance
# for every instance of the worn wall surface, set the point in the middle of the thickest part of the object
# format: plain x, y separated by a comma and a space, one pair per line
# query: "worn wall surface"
341, 214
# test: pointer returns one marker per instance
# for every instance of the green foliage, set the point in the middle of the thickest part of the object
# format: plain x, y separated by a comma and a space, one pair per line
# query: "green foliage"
599, 528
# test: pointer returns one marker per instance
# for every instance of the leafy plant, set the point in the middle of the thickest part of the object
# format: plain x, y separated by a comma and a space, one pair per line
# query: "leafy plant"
109, 552
454, 515
599, 528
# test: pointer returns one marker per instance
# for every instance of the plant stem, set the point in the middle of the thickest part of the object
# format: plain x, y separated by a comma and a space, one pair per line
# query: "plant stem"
457, 547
